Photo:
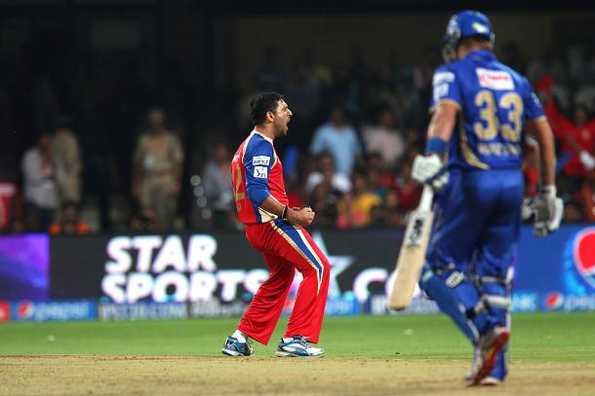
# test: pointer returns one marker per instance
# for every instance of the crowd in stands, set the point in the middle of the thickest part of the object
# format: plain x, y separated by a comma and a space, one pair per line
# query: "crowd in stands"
356, 130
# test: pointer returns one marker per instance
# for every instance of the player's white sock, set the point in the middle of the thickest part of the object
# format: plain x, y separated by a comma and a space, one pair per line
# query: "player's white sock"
238, 335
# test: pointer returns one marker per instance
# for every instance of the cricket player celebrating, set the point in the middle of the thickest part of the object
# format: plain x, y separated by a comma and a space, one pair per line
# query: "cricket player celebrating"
276, 230
473, 161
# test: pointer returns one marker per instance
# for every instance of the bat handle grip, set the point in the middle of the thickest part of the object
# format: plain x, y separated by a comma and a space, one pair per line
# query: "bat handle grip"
425, 204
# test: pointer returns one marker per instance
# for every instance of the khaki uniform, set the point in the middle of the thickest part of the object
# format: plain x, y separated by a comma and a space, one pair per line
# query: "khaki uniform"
158, 157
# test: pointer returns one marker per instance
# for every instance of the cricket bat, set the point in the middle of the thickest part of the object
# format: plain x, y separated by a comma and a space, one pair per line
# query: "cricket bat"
413, 252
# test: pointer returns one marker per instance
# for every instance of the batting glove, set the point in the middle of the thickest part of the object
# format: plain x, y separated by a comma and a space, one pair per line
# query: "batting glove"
548, 210
429, 170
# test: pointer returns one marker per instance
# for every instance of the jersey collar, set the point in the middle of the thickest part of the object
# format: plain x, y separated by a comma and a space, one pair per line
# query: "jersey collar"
255, 132
485, 55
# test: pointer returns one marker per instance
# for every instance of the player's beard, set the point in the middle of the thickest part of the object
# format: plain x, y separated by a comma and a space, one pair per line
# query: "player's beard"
282, 129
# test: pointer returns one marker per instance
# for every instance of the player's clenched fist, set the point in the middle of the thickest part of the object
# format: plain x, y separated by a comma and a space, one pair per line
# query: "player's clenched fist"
303, 216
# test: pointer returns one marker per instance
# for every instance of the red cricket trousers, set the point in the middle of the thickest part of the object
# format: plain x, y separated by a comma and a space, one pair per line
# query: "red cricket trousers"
285, 248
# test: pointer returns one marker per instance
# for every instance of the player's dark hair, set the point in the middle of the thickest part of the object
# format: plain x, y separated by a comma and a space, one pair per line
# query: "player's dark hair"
481, 40
262, 103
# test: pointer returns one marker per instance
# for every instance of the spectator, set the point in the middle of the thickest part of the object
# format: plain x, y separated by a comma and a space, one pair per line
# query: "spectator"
326, 171
70, 222
384, 138
573, 212
323, 200
340, 140
355, 208
577, 138
381, 179
39, 179
67, 157
587, 196
393, 215
388, 214
217, 185
408, 190
158, 162
144, 220
11, 210
325, 188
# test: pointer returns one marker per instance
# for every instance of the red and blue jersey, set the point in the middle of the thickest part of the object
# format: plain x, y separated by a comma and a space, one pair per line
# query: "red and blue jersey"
256, 173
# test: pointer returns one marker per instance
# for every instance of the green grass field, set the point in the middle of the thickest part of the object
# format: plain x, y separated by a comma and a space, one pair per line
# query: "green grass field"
539, 337
556, 341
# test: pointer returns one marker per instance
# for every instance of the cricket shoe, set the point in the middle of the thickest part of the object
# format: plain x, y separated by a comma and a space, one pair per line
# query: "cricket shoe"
233, 347
484, 360
490, 381
496, 376
297, 346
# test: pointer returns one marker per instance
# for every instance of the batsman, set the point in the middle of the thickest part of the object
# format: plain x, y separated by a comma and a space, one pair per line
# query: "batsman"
481, 110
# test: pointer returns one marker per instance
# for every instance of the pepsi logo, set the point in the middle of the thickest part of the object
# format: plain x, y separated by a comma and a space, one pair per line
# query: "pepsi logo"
584, 255
554, 300
25, 310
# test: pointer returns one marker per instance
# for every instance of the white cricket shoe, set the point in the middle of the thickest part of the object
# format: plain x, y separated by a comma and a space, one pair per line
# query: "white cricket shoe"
297, 346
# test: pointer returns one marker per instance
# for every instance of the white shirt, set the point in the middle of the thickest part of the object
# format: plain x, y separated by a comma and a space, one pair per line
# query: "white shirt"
339, 182
388, 143
39, 182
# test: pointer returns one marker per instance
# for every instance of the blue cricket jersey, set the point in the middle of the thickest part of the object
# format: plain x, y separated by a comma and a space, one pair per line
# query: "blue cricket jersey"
495, 102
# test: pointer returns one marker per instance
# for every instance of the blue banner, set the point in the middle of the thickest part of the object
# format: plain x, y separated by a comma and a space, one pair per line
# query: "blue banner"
557, 272
32, 311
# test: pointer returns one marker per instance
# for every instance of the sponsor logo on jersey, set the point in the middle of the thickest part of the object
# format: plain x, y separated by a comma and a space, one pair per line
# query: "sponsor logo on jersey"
261, 160
261, 172
494, 79
443, 77
584, 255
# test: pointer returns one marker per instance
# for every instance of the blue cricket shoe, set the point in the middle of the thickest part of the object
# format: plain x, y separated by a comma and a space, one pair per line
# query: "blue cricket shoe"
233, 347
298, 346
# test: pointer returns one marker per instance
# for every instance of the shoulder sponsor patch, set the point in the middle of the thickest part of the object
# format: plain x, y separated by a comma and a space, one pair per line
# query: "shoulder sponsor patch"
536, 100
494, 79
261, 160
261, 172
439, 92
443, 77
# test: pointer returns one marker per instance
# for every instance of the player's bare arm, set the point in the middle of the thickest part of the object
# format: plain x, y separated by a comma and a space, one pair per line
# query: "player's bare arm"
548, 208
443, 120
429, 168
542, 132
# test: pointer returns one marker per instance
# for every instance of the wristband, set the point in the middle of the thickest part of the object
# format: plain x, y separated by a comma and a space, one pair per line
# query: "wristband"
435, 145
284, 214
